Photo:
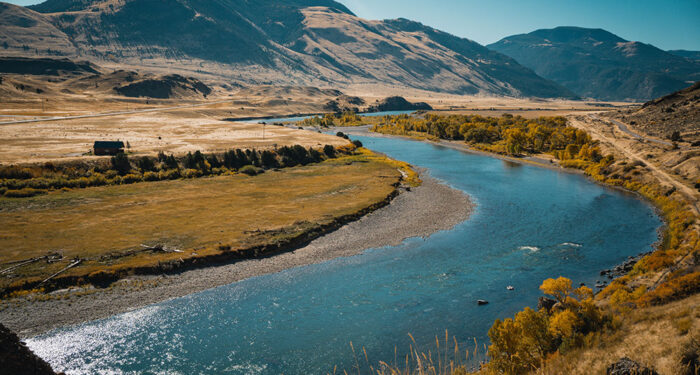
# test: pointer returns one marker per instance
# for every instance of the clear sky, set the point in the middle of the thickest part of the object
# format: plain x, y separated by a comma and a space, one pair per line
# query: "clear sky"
669, 24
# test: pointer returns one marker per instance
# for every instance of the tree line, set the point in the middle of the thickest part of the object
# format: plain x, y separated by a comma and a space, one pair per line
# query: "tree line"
508, 134
24, 181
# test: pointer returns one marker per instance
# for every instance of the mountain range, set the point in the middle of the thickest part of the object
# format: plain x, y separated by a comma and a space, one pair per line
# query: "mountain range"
598, 64
322, 43
283, 42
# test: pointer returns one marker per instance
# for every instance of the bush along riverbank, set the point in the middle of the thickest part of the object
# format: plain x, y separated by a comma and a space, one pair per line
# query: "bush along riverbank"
671, 272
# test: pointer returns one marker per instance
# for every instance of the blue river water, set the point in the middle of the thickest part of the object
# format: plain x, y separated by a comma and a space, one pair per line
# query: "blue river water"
529, 224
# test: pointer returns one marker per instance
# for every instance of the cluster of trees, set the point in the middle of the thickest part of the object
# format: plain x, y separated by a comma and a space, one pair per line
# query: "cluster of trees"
232, 160
507, 134
19, 181
520, 345
347, 118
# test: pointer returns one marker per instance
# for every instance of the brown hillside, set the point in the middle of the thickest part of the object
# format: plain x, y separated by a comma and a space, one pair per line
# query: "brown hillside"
679, 111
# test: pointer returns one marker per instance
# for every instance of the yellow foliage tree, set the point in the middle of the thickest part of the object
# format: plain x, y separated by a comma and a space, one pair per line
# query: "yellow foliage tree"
563, 324
560, 288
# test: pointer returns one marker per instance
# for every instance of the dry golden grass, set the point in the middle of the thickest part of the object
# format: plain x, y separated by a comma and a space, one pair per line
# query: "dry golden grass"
147, 133
651, 336
198, 216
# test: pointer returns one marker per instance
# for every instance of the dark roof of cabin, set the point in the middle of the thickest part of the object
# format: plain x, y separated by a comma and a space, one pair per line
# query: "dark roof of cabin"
109, 144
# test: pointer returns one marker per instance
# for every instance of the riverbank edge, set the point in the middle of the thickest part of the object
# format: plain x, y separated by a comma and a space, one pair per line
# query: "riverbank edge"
661, 231
29, 317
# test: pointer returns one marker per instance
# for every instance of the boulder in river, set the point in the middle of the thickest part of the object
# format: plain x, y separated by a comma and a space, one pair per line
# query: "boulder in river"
482, 302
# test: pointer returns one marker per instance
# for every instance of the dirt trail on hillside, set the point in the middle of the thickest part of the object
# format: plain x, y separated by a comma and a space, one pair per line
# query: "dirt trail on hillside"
692, 195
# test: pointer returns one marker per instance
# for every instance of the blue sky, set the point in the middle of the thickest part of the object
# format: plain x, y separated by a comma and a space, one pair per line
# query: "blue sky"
670, 24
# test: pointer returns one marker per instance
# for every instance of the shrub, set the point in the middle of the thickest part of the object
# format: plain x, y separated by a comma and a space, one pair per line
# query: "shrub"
145, 164
82, 182
170, 174
97, 179
170, 162
250, 170
3, 190
357, 143
150, 176
131, 178
14, 171
689, 357
121, 164
673, 289
24, 193
191, 173
329, 150
268, 159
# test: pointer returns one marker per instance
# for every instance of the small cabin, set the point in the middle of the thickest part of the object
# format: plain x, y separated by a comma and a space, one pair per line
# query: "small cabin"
108, 147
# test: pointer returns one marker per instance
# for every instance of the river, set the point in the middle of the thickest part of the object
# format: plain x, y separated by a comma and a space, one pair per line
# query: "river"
529, 224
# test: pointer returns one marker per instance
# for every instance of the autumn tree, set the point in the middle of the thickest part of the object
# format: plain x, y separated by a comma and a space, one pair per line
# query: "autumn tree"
559, 288
515, 141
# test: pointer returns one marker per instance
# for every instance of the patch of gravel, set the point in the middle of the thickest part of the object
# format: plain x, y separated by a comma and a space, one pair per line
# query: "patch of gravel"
420, 212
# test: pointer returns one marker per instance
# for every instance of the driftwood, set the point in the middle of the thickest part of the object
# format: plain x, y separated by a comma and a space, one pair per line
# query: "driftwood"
22, 262
50, 258
75, 263
160, 248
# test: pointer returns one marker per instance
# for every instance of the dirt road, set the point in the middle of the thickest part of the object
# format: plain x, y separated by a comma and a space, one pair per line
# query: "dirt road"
692, 195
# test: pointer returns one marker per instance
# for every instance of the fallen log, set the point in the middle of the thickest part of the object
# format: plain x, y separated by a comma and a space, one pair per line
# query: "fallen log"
14, 267
75, 263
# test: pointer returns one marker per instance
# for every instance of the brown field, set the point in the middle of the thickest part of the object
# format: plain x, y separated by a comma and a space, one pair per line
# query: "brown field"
147, 133
196, 216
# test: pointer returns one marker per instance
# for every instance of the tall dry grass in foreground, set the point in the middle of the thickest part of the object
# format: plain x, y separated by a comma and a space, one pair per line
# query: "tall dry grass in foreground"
445, 358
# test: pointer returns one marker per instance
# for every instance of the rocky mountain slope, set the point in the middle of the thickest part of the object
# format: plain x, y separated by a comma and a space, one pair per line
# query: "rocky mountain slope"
661, 117
598, 64
23, 77
281, 42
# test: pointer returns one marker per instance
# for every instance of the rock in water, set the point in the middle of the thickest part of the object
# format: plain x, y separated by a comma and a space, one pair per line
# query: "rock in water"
482, 302
626, 366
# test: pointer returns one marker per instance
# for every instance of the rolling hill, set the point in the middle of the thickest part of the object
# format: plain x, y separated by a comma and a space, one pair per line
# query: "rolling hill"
693, 55
279, 42
598, 64
678, 111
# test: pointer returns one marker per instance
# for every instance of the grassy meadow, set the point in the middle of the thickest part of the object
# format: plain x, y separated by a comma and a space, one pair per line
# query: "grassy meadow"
106, 226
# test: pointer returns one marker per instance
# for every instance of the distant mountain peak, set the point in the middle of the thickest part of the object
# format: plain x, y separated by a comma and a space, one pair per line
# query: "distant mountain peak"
599, 64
